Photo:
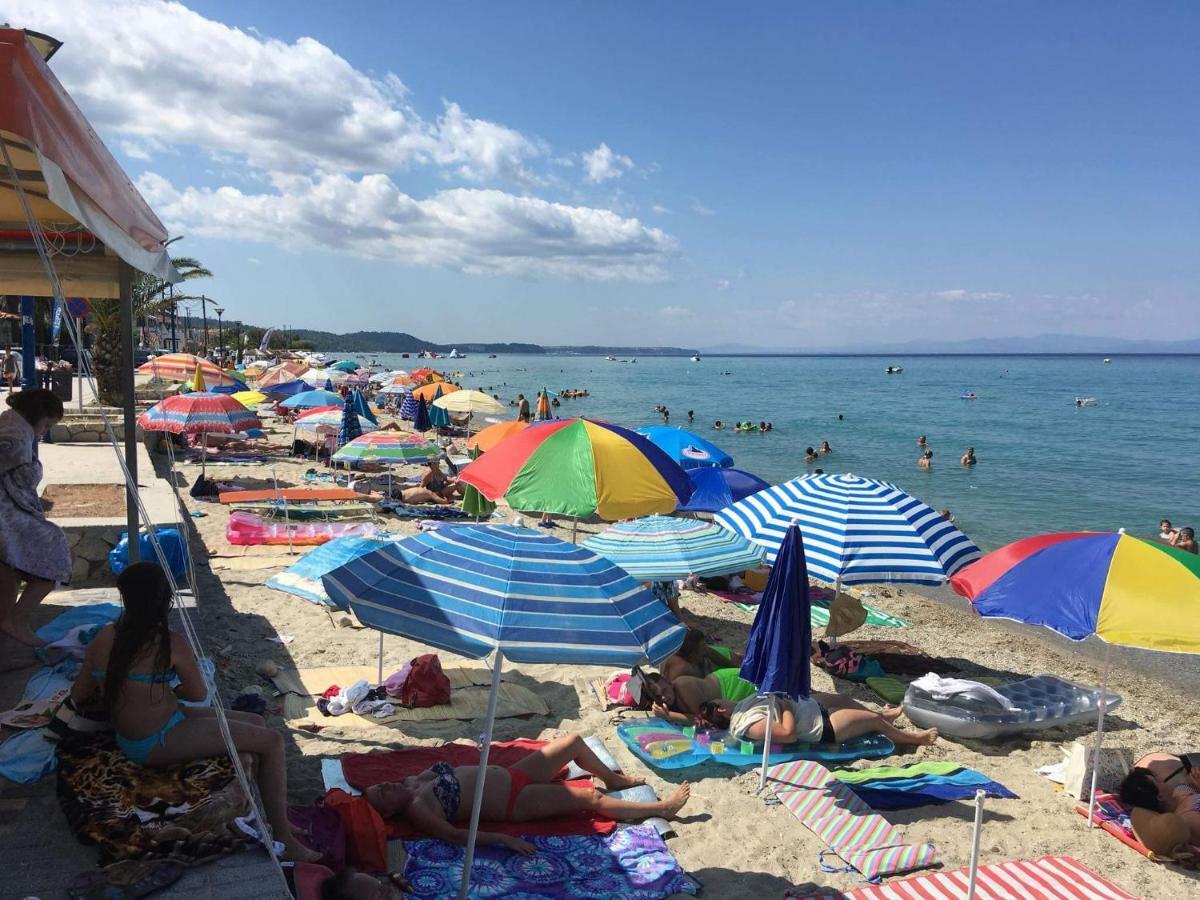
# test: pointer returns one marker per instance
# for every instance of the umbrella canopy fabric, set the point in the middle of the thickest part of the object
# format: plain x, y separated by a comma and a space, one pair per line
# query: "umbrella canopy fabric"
430, 392
778, 648
714, 488
543, 412
347, 366
317, 410
182, 367
362, 407
438, 417
489, 437
408, 407
198, 413
393, 389
686, 447
477, 403
311, 398
249, 399
283, 373
425, 374
330, 418
197, 382
473, 589
387, 447
287, 389
856, 530
663, 548
421, 417
1125, 590
350, 429
473, 502
581, 467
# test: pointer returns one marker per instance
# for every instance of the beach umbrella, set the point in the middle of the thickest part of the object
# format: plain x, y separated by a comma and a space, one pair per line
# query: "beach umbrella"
430, 392
664, 548
421, 417
350, 429
425, 375
475, 403
489, 437
685, 447
310, 398
283, 373
438, 417
234, 388
197, 382
714, 488
182, 367
856, 531
346, 365
580, 468
780, 641
363, 407
517, 593
199, 413
317, 410
473, 502
408, 407
1123, 589
543, 406
393, 389
388, 447
287, 389
249, 399
330, 418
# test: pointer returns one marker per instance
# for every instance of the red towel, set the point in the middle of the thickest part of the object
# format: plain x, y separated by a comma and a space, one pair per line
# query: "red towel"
365, 769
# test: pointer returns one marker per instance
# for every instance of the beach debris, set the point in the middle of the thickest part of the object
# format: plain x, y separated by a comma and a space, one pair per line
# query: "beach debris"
267, 668
281, 638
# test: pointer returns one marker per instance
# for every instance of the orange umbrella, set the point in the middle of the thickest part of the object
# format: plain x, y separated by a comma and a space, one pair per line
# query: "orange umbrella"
427, 392
421, 374
494, 434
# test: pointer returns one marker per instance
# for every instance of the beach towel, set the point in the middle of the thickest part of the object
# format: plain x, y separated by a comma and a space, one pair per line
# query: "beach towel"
852, 830
665, 746
924, 784
897, 657
405, 511
1113, 816
888, 687
469, 689
632, 862
365, 769
818, 612
1048, 878
185, 812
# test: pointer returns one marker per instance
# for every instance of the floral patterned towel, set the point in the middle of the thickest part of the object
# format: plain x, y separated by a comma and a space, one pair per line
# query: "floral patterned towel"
630, 863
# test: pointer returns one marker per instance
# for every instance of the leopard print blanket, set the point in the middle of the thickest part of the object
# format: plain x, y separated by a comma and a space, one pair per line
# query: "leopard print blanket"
183, 813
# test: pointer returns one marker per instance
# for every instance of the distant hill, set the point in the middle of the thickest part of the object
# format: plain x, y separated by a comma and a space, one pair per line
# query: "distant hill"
1042, 343
403, 342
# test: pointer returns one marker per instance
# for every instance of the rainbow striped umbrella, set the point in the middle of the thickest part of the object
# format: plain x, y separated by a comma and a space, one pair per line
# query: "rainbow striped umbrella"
387, 447
580, 468
183, 367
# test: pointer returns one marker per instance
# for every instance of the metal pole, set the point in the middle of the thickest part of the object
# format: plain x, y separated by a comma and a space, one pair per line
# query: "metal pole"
762, 778
220, 332
1103, 707
204, 319
130, 411
477, 805
974, 868
174, 316
28, 345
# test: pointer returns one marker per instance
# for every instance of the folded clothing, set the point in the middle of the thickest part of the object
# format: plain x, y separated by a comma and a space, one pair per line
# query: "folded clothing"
942, 688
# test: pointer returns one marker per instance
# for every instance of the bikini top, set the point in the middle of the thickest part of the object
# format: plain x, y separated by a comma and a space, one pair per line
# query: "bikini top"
144, 677
446, 788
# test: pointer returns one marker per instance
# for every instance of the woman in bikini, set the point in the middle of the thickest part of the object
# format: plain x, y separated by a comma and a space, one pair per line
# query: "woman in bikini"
438, 801
139, 670
1166, 783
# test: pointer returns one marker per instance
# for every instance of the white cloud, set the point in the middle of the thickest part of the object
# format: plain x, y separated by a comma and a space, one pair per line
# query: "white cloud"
674, 312
468, 229
961, 294
722, 284
659, 209
701, 210
602, 164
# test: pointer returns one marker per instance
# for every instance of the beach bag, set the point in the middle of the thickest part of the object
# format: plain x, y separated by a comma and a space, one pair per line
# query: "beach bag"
840, 660
173, 546
426, 684
616, 690
1114, 764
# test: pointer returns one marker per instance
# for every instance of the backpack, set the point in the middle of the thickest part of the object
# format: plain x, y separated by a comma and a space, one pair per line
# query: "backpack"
426, 684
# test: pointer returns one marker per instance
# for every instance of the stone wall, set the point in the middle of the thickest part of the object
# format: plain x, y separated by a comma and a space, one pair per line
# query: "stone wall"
84, 430
90, 545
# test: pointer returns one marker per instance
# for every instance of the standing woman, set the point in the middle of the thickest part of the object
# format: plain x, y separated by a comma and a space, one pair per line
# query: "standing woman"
32, 549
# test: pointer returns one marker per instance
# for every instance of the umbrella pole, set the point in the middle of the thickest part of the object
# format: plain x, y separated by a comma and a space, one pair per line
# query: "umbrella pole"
837, 589
976, 835
1103, 706
477, 805
762, 778
575, 531
203, 454
380, 679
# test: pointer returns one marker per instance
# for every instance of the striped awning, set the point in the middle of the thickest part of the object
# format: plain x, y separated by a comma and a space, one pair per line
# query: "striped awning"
857, 529
473, 589
658, 548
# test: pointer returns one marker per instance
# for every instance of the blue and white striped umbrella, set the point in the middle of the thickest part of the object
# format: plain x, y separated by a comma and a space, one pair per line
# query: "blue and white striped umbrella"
472, 589
856, 530
408, 407
661, 548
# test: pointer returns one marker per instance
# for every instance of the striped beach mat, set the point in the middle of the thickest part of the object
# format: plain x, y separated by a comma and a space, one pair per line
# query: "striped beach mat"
851, 829
1048, 878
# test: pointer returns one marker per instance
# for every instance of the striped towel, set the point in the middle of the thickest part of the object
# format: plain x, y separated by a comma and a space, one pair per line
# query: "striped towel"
1048, 878
852, 830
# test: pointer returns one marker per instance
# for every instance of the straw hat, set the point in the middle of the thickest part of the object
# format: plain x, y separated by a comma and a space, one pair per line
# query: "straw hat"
1161, 833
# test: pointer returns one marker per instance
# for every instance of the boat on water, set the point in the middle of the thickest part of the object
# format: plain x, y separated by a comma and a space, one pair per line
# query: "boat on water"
967, 395
696, 358
1107, 361
610, 359
454, 354
1086, 401
491, 356
404, 356
894, 370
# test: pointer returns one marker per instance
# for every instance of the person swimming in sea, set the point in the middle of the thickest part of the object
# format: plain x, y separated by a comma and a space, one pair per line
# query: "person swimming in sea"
968, 458
926, 460
810, 455
824, 448
718, 425
921, 441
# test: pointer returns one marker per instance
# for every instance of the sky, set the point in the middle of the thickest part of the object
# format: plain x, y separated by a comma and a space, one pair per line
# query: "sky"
773, 174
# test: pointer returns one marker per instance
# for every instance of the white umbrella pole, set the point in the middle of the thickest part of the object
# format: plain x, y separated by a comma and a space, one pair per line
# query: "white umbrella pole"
978, 833
837, 589
762, 778
477, 806
380, 678
1103, 706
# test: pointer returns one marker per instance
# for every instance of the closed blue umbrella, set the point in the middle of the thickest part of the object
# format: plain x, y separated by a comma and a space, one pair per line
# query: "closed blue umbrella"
287, 389
715, 488
780, 641
421, 417
438, 417
686, 447
408, 407
664, 548
350, 427
328, 385
363, 408
236, 387
479, 589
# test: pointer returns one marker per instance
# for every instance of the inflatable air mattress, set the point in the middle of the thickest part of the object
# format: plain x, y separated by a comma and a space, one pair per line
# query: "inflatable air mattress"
247, 529
1044, 701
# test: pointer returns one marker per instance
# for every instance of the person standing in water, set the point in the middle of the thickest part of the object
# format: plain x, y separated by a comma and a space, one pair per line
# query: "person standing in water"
968, 458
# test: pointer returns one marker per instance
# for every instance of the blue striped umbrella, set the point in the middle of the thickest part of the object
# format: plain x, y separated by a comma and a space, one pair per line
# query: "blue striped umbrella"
856, 530
350, 427
408, 407
662, 548
475, 589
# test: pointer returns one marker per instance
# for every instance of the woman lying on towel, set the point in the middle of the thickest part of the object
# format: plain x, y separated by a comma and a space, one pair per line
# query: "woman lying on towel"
139, 670
439, 800
1166, 784
820, 719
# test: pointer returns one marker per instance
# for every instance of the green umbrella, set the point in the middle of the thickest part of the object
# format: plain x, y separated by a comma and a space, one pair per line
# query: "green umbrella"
473, 502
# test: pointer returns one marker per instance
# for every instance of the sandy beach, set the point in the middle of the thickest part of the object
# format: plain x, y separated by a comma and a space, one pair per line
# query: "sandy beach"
727, 837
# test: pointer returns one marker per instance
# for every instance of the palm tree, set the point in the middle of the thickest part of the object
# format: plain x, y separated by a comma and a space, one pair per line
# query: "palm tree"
149, 299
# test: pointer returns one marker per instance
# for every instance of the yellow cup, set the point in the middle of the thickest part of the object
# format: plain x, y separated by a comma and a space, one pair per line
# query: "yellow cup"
717, 748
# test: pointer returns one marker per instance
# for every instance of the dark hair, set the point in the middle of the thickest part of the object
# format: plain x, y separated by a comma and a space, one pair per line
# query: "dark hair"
711, 715
1187, 531
337, 887
36, 404
146, 596
1140, 789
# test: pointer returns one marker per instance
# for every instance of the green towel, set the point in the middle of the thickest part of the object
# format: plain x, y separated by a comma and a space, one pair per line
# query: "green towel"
819, 614
888, 687
929, 767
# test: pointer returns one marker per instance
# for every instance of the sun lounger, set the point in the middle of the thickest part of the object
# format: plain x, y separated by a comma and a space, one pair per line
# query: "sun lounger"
1045, 701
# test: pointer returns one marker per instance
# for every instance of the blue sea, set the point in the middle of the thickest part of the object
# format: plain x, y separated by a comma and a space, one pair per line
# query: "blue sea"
1044, 464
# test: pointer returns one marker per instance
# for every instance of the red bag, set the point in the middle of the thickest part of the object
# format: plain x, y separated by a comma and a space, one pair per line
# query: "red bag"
426, 684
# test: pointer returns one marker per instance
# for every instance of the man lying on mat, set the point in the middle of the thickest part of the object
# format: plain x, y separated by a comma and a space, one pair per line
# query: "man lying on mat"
438, 801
